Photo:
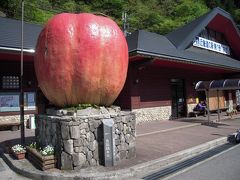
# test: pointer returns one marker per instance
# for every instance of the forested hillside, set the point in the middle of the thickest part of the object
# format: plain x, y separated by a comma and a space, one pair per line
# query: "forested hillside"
161, 16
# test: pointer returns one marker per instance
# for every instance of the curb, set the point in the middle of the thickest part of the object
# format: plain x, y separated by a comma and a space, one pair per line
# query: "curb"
24, 167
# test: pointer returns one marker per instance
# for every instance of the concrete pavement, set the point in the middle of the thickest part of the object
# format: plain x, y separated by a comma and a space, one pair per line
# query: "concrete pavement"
9, 138
7, 174
158, 144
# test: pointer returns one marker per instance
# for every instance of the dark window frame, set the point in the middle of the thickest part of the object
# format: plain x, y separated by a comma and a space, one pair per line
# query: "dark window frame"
10, 82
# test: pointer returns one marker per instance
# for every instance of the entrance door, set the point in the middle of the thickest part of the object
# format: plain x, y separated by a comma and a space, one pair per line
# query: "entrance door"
178, 98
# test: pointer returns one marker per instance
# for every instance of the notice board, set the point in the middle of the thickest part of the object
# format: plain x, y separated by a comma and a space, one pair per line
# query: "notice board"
213, 100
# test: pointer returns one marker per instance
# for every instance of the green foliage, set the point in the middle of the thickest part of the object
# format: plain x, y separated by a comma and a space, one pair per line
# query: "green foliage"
48, 150
213, 3
80, 106
18, 148
189, 10
33, 145
237, 15
160, 16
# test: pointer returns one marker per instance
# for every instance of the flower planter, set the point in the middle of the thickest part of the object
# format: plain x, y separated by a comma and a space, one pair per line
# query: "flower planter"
39, 161
18, 151
18, 155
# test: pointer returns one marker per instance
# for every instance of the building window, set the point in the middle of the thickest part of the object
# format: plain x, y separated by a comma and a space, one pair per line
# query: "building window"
204, 33
219, 37
10, 82
214, 36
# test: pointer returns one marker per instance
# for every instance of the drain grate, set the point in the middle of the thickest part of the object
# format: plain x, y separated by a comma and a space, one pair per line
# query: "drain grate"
189, 162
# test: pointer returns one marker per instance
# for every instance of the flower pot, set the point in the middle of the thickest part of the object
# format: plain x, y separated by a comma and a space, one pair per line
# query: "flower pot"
39, 161
19, 155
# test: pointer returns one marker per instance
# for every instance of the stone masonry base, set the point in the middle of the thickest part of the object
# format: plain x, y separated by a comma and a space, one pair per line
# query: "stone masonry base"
78, 138
152, 114
13, 119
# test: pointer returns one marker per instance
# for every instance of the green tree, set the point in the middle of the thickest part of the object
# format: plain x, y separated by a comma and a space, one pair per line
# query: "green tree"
236, 14
213, 3
189, 10
161, 16
11, 7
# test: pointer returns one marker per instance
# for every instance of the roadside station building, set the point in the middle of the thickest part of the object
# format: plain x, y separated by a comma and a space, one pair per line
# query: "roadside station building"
163, 70
10, 69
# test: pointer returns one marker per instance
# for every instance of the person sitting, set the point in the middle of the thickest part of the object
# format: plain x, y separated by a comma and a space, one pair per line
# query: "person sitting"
201, 107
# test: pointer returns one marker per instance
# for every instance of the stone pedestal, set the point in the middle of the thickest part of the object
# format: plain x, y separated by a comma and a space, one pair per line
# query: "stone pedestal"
78, 137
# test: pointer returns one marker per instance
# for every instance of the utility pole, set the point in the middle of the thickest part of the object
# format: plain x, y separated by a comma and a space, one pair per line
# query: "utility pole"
21, 84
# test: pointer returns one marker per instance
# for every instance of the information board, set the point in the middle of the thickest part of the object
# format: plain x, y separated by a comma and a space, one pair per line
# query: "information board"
9, 102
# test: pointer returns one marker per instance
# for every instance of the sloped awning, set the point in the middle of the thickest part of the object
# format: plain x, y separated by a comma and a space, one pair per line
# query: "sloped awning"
223, 84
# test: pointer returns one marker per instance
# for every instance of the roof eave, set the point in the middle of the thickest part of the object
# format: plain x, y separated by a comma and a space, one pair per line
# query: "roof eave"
182, 60
16, 50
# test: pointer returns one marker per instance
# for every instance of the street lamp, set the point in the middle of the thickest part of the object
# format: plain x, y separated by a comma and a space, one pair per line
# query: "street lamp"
21, 84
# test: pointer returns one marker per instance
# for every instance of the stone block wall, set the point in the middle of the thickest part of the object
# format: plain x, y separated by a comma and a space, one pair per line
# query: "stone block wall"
78, 138
153, 114
190, 107
13, 119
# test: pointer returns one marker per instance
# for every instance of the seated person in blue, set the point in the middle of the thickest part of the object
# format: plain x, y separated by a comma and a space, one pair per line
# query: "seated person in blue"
201, 107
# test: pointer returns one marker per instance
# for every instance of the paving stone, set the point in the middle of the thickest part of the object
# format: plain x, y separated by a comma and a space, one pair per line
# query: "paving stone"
89, 155
78, 142
131, 153
93, 162
75, 132
83, 126
66, 161
65, 132
68, 146
78, 159
90, 137
96, 154
93, 145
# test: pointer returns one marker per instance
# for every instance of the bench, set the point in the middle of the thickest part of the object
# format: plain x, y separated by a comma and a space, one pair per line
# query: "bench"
14, 125
196, 113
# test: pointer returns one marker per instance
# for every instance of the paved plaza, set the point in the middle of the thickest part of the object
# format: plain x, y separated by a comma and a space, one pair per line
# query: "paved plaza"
155, 140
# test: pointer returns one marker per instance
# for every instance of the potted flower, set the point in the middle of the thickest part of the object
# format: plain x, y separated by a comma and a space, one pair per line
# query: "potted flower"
48, 150
41, 158
18, 151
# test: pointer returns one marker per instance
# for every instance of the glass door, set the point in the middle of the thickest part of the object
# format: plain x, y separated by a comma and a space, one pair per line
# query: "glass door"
178, 98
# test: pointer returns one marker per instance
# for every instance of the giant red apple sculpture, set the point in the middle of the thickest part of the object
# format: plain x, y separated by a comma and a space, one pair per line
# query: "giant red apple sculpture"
81, 58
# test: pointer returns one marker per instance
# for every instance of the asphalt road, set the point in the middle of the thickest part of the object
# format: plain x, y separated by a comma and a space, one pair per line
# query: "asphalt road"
225, 166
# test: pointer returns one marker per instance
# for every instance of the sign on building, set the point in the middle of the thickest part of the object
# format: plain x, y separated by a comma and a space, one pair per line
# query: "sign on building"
211, 45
